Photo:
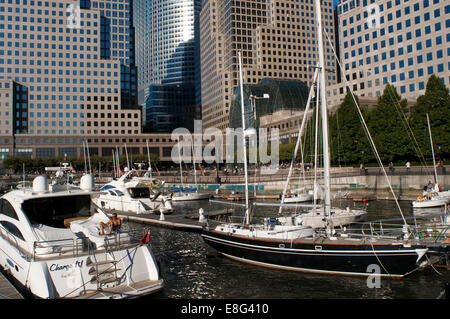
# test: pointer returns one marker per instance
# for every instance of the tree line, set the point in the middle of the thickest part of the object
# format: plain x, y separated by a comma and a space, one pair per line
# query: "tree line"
80, 164
399, 134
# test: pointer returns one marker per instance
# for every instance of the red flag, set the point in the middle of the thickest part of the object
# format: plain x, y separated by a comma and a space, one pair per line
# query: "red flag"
157, 170
146, 238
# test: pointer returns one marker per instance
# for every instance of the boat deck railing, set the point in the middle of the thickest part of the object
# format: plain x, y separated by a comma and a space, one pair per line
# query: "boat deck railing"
72, 247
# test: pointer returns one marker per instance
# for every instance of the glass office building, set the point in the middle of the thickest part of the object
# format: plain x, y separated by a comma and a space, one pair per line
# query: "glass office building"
165, 55
400, 42
63, 72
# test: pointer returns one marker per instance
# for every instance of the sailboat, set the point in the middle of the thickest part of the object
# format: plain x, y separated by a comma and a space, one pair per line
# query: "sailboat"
432, 197
182, 194
302, 248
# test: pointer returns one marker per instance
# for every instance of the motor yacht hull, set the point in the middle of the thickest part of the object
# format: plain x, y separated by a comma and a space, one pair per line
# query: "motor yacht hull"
135, 273
327, 257
136, 206
190, 196
299, 198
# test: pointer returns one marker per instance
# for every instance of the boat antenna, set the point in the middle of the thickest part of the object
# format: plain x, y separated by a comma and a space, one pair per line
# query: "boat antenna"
149, 160
126, 152
89, 157
84, 155
114, 162
118, 161
247, 217
181, 166
193, 162
432, 151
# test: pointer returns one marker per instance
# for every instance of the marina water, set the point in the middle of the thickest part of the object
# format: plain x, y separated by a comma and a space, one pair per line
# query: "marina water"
192, 270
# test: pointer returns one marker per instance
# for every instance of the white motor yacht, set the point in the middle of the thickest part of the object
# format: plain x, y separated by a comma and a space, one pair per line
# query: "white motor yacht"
133, 192
51, 245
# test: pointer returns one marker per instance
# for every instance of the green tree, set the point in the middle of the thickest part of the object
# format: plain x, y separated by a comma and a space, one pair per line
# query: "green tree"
349, 144
387, 124
436, 103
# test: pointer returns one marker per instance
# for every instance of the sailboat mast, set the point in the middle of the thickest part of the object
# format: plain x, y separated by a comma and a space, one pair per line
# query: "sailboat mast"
149, 161
316, 144
323, 101
247, 217
432, 151
181, 165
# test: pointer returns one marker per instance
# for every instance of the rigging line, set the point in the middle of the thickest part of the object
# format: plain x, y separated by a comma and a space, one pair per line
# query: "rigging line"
367, 130
408, 129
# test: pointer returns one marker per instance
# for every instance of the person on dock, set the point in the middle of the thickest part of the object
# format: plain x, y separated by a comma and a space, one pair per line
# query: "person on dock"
408, 166
113, 224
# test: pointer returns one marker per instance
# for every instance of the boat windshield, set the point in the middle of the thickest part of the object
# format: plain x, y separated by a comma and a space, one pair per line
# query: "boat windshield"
139, 192
51, 211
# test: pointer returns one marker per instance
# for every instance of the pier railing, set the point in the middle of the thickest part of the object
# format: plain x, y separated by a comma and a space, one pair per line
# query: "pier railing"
231, 177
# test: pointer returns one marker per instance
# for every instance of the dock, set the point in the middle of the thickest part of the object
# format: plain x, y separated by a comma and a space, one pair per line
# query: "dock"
174, 220
7, 290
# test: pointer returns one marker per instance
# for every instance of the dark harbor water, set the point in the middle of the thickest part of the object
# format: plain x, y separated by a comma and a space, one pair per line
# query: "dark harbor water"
192, 270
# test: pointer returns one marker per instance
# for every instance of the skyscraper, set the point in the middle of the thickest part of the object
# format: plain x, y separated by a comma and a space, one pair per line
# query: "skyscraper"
277, 40
391, 41
165, 55
66, 68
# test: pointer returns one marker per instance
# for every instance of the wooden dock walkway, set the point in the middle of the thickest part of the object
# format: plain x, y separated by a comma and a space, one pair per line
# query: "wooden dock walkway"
7, 290
175, 220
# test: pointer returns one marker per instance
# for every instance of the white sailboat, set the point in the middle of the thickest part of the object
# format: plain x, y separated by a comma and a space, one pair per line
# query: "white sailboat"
50, 244
432, 197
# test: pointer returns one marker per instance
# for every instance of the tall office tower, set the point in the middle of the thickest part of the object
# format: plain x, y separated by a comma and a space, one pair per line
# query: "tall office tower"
55, 78
276, 38
393, 41
165, 55
117, 42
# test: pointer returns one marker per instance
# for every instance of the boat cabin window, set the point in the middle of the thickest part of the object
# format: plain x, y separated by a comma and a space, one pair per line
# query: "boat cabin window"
11, 228
52, 211
7, 209
139, 192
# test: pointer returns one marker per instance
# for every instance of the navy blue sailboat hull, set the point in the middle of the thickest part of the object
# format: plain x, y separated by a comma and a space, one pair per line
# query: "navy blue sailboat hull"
319, 257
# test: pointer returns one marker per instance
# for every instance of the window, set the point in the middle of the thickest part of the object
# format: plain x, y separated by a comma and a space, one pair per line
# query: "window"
11, 228
7, 209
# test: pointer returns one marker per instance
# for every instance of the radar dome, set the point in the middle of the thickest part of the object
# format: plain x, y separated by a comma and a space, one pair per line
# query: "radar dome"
87, 182
40, 184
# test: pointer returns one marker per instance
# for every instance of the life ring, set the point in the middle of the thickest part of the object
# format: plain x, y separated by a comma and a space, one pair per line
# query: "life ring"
419, 198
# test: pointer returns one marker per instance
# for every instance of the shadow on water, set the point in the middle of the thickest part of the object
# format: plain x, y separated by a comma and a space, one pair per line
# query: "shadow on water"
193, 270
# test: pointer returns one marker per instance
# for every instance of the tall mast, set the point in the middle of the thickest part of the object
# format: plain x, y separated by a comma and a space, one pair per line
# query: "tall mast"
323, 102
247, 217
432, 151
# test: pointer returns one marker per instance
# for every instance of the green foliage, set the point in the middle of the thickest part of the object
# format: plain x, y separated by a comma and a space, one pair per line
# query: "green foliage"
435, 103
104, 162
348, 142
388, 128
389, 124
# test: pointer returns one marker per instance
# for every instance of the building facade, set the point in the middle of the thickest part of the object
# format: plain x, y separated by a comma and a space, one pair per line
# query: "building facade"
165, 54
66, 69
276, 38
392, 41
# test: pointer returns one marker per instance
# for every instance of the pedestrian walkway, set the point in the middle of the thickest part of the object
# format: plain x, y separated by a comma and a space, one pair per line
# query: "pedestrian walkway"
7, 290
